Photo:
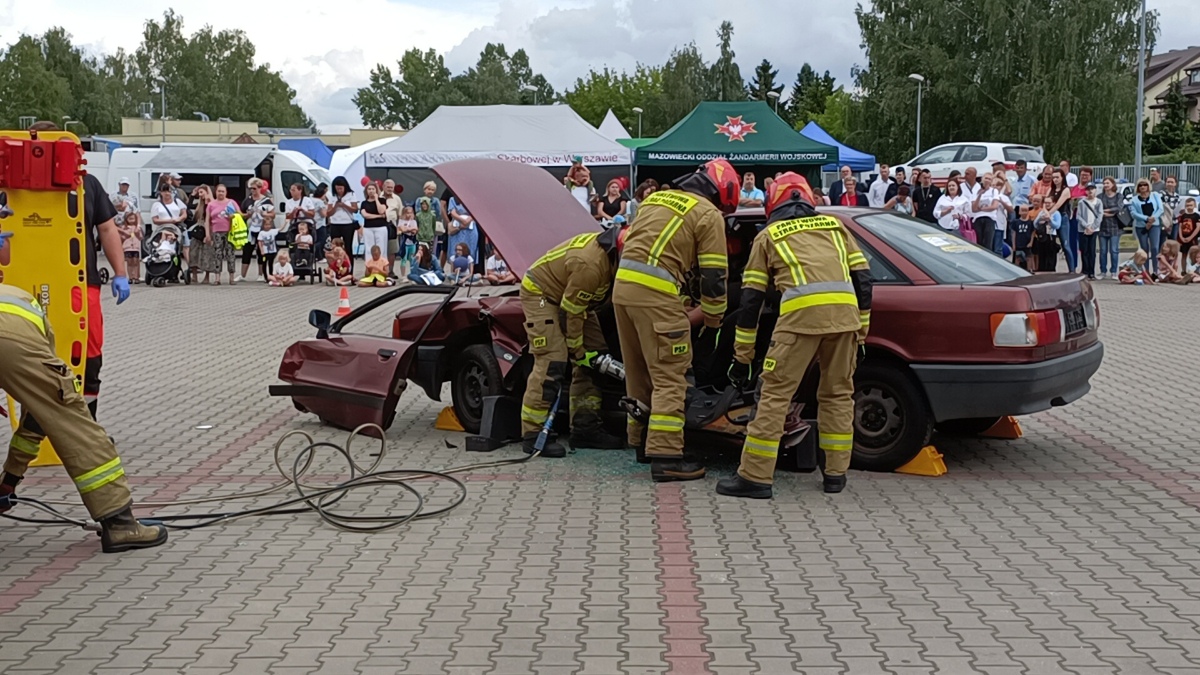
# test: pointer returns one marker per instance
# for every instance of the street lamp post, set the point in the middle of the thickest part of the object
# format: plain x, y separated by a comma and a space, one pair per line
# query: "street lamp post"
530, 87
1141, 97
920, 79
67, 122
774, 95
162, 112
639, 112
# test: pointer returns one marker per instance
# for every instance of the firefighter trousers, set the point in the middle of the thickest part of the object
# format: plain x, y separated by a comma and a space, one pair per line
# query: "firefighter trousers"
787, 360
52, 405
548, 343
656, 343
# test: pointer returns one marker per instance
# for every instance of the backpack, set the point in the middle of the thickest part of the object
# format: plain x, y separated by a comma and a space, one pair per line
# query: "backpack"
239, 232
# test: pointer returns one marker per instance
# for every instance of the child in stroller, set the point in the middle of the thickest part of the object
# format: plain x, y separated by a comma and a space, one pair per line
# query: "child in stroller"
163, 263
302, 253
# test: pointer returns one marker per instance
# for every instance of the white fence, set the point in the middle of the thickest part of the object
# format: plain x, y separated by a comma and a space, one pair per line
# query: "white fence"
1126, 173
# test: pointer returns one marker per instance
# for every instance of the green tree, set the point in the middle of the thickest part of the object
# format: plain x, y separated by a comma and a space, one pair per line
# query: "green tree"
835, 118
1057, 73
685, 80
28, 87
1175, 130
592, 97
809, 94
764, 82
727, 83
214, 73
498, 78
422, 83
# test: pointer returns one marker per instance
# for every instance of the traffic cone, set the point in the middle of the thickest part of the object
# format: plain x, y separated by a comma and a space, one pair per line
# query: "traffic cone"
344, 302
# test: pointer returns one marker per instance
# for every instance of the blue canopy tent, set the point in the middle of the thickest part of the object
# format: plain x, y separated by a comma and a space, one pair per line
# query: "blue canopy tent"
314, 148
847, 156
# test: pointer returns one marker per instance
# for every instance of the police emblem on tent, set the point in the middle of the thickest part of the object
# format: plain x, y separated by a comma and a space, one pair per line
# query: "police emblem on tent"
735, 129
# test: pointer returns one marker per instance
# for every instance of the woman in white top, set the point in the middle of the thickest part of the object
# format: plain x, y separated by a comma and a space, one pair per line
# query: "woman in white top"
320, 199
299, 208
340, 213
991, 209
950, 206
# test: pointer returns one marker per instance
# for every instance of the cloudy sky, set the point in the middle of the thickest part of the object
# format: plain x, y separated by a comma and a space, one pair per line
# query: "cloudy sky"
325, 50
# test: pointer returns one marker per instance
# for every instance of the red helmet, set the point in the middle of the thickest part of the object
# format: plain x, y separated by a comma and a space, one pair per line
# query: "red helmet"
727, 182
787, 187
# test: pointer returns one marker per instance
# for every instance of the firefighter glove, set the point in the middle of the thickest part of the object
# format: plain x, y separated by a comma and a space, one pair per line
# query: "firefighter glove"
589, 359
739, 374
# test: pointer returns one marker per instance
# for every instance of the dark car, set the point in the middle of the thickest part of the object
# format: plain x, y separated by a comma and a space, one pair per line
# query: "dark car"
959, 337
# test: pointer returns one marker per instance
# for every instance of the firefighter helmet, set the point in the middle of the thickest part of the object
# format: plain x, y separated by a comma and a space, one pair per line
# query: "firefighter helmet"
727, 182
788, 187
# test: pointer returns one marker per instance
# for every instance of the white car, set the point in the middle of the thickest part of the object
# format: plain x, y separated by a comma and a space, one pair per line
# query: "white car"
959, 156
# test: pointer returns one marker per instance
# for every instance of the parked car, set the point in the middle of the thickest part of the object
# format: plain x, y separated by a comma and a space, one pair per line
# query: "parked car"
959, 337
1186, 188
958, 156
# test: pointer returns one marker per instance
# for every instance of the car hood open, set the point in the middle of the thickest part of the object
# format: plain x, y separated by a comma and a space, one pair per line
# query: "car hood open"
521, 208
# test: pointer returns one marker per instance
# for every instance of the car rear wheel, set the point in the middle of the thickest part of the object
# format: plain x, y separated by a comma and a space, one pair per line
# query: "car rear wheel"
891, 419
967, 426
476, 376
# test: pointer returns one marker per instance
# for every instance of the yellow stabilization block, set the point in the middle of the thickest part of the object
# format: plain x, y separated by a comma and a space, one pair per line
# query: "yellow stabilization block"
928, 462
448, 421
1006, 427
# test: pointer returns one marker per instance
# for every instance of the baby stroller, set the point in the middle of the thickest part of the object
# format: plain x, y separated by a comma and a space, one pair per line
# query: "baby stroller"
160, 252
304, 260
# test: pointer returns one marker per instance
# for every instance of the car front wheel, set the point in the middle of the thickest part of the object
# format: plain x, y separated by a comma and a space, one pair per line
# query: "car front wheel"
891, 419
476, 376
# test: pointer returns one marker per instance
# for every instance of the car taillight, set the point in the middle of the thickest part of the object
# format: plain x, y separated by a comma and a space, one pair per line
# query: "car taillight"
1029, 329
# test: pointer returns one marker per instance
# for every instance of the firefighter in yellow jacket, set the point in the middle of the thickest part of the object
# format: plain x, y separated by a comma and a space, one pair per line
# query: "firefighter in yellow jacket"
674, 232
824, 313
559, 295
52, 405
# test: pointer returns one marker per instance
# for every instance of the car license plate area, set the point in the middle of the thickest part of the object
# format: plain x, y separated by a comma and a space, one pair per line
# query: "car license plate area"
1075, 320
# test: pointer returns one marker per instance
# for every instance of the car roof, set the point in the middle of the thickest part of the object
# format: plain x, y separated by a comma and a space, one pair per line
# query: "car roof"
522, 208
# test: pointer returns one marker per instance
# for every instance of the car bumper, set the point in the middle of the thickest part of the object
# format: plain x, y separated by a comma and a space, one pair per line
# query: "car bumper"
957, 392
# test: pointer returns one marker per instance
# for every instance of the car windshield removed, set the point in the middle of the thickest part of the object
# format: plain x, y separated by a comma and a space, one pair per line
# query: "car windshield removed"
946, 258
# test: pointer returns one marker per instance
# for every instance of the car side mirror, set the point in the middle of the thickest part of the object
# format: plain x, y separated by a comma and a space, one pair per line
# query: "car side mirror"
319, 319
1194, 193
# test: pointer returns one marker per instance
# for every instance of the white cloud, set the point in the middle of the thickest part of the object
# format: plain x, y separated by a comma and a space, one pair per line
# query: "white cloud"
326, 49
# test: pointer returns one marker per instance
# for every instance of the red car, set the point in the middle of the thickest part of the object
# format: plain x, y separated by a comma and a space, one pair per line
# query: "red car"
959, 337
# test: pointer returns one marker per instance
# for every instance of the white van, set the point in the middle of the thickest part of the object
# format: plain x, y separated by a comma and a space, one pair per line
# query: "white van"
208, 164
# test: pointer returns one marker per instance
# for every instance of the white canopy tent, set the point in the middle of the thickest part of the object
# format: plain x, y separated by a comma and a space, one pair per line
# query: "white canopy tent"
351, 162
612, 128
546, 135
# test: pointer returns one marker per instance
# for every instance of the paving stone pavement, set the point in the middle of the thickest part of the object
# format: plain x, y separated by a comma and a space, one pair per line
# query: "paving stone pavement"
1071, 550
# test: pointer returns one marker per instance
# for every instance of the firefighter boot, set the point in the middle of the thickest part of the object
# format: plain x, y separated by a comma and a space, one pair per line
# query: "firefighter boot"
736, 486
553, 448
8, 489
594, 436
122, 532
676, 469
834, 484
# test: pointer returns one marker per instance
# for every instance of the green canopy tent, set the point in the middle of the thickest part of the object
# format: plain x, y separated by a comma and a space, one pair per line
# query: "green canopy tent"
747, 133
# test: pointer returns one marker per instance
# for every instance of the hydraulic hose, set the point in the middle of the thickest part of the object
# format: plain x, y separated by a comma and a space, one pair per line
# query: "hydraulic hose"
316, 498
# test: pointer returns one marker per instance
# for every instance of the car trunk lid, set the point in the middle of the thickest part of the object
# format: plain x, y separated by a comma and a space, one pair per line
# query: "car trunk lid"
521, 208
1052, 291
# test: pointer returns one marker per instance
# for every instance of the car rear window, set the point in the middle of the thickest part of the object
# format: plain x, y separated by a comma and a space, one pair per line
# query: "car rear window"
1014, 152
944, 257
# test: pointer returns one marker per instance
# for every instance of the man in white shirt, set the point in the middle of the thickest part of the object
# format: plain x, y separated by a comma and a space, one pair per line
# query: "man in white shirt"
882, 189
126, 202
971, 189
1072, 179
